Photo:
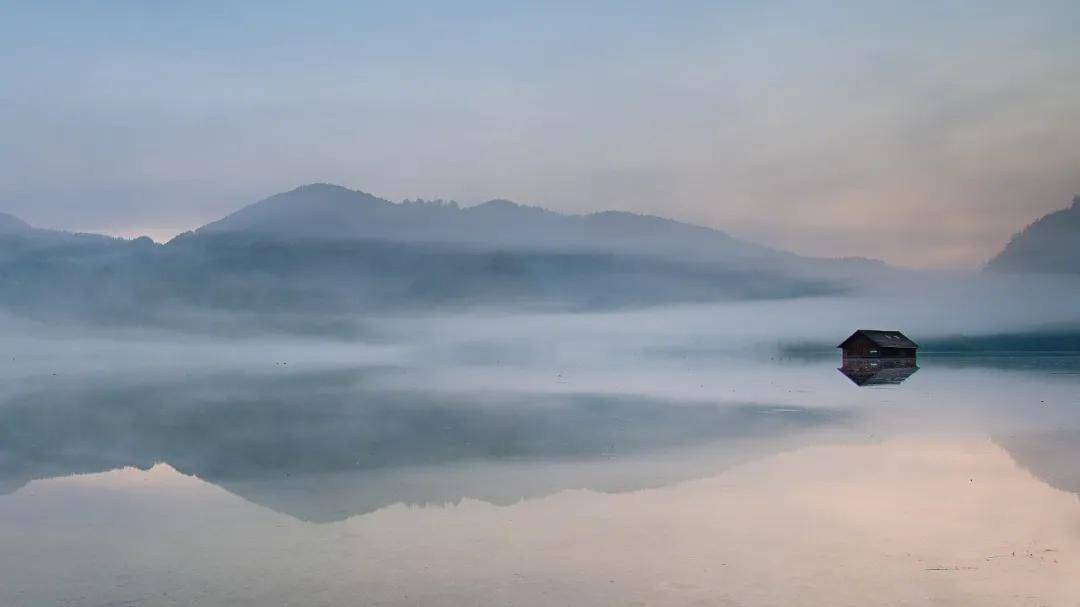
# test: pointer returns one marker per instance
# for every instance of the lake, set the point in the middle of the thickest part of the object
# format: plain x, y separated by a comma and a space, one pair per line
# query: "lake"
503, 472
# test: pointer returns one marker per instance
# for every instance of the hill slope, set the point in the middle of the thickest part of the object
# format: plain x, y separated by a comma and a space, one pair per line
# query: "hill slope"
10, 224
1050, 245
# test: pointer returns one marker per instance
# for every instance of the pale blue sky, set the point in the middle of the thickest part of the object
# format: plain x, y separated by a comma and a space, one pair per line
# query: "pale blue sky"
831, 129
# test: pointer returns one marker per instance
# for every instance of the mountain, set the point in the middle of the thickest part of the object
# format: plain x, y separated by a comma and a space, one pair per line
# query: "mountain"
53, 273
10, 224
13, 229
325, 211
316, 210
322, 251
18, 240
1050, 245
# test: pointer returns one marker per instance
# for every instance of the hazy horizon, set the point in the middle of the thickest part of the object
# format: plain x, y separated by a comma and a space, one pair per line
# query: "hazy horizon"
925, 138
162, 235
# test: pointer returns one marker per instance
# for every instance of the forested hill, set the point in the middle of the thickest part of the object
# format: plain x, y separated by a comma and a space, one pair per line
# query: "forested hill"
1049, 245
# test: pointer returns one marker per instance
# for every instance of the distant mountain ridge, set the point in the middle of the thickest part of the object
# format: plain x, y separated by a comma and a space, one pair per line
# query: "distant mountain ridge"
322, 251
21, 242
327, 211
1049, 245
13, 226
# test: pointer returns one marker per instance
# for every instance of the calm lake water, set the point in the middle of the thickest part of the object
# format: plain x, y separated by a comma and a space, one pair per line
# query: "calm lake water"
278, 474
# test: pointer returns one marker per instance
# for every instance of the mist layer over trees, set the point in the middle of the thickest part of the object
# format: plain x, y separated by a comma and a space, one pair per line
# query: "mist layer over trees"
320, 259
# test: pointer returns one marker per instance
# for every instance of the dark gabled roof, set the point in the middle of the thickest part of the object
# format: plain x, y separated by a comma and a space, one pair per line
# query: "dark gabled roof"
883, 339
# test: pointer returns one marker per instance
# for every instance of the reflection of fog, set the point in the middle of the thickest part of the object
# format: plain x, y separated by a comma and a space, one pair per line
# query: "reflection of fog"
326, 444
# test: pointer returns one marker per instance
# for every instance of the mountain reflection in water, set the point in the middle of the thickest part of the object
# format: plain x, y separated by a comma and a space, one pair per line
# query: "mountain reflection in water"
881, 523
749, 482
1053, 456
326, 445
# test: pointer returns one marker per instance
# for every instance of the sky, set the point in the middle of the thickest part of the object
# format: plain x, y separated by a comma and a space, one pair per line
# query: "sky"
913, 132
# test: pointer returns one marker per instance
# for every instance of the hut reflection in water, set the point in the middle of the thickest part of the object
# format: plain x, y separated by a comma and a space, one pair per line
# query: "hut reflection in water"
878, 371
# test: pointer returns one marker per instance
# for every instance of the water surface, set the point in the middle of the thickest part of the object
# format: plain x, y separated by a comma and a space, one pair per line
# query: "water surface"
376, 477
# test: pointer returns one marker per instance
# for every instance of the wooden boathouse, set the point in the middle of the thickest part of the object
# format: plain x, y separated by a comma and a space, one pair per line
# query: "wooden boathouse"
875, 343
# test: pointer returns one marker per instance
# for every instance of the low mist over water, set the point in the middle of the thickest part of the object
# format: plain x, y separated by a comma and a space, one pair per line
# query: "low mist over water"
560, 459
